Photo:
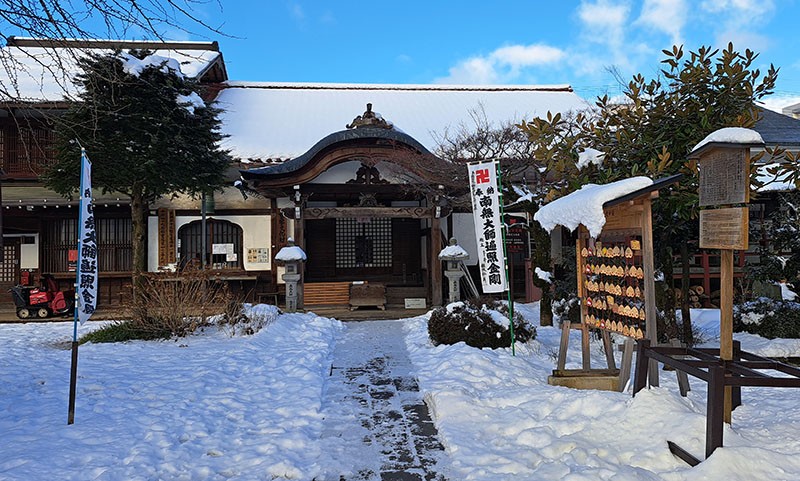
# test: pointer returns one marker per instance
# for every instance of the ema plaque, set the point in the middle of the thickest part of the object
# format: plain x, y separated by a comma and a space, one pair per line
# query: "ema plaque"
724, 228
724, 177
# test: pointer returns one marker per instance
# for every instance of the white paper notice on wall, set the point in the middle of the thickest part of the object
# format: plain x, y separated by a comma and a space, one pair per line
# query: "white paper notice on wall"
231, 257
222, 248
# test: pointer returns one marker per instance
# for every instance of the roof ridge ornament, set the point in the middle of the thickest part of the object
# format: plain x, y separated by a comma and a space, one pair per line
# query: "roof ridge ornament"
370, 119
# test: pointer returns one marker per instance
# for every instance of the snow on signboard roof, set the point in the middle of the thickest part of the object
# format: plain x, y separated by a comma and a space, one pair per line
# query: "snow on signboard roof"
283, 120
585, 205
43, 74
730, 135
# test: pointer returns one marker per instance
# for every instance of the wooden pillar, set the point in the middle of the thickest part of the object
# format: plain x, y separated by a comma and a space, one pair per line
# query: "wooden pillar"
649, 285
300, 240
580, 243
435, 263
275, 241
726, 320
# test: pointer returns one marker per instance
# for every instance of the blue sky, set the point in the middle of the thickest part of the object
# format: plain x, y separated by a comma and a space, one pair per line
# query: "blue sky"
500, 42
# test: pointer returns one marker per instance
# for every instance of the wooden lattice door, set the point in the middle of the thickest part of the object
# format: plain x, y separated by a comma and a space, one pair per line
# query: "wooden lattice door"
9, 268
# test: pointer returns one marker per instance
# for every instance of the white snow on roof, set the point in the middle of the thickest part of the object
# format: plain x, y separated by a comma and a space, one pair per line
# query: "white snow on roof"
731, 135
453, 252
134, 66
585, 206
290, 254
45, 74
284, 120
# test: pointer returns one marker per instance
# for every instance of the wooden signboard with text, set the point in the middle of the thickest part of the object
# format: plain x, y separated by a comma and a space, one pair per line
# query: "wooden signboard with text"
724, 177
724, 228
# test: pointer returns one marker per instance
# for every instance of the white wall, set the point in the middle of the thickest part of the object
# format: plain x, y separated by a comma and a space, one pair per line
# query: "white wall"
464, 232
256, 233
28, 253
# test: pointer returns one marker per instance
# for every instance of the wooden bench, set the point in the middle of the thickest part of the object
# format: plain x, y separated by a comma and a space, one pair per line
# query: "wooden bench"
368, 295
326, 293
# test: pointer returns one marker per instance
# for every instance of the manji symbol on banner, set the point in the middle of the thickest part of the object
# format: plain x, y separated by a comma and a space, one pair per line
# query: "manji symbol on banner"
87, 256
488, 225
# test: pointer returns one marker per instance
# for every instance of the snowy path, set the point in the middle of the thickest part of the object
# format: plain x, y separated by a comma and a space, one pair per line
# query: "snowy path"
375, 418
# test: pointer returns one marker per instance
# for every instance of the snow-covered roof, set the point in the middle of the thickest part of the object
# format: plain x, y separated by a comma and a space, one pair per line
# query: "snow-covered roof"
283, 120
290, 254
454, 251
730, 135
585, 205
42, 74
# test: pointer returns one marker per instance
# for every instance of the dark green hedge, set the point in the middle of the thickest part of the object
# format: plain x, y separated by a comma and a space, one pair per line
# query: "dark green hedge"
472, 323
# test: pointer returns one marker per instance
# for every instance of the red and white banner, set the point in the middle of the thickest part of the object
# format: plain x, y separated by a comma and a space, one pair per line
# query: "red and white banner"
488, 225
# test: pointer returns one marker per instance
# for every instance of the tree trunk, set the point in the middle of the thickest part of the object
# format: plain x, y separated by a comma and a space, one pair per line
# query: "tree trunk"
139, 240
686, 315
540, 256
668, 329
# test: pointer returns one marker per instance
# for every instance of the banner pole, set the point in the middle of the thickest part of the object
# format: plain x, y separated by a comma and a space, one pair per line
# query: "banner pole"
505, 255
73, 372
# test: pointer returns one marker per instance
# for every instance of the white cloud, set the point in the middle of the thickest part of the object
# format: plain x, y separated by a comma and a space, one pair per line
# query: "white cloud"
736, 19
776, 103
668, 16
527, 55
297, 12
505, 64
604, 21
475, 70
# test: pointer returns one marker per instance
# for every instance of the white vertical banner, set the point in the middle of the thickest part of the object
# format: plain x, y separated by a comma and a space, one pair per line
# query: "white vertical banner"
87, 272
488, 225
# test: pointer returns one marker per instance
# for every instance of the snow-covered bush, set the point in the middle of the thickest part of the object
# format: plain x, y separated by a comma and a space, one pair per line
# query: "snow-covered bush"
768, 318
248, 319
479, 323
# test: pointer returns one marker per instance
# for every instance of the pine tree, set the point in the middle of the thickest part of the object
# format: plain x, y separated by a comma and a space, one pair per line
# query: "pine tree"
146, 131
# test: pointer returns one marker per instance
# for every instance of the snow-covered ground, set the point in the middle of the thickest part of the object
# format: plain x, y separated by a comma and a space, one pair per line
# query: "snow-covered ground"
212, 406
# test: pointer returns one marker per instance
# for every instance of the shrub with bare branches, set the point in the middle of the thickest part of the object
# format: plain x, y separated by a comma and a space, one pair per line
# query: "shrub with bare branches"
177, 304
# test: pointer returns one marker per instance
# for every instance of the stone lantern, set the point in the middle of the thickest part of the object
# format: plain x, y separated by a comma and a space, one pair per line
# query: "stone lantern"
291, 257
453, 254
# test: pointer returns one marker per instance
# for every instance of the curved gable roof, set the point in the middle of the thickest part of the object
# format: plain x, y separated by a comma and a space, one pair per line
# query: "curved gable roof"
342, 137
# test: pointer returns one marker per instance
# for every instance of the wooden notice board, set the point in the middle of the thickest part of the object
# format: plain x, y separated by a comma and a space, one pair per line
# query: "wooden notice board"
724, 177
724, 228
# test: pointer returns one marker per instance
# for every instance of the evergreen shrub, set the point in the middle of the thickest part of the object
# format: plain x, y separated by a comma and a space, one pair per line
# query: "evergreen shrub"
768, 318
479, 323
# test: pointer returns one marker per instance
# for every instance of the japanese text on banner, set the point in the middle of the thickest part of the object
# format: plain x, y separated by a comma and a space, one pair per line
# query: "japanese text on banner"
87, 271
488, 225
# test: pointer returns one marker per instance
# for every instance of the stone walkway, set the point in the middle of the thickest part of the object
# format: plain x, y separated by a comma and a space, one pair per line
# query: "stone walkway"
374, 411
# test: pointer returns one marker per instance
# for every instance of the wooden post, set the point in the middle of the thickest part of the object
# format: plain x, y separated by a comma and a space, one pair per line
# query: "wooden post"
580, 243
625, 368
726, 320
566, 326
640, 374
714, 415
649, 285
736, 391
435, 263
275, 242
300, 240
608, 347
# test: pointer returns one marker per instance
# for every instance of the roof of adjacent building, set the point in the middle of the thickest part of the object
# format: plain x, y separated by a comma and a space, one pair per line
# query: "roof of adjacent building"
279, 121
44, 69
778, 129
